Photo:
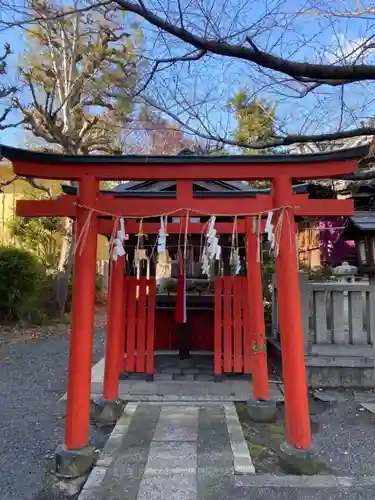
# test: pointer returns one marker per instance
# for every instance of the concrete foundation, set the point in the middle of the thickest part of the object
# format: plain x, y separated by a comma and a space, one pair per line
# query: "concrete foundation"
262, 411
71, 464
105, 413
300, 462
336, 373
333, 365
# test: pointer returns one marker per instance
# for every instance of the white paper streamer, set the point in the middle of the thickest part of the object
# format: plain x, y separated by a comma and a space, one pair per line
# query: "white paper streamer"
269, 230
162, 238
118, 244
212, 249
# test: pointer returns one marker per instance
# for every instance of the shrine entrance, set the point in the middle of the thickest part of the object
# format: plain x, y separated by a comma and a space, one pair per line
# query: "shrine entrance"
102, 212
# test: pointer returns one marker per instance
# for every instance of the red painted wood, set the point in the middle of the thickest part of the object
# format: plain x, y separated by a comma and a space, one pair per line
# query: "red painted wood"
165, 329
257, 326
130, 323
184, 192
151, 303
246, 327
122, 357
237, 324
141, 325
218, 326
114, 337
145, 207
201, 323
81, 330
196, 171
228, 324
298, 429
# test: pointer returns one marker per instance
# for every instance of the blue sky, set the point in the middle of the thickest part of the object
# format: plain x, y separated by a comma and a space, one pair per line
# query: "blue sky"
15, 37
215, 80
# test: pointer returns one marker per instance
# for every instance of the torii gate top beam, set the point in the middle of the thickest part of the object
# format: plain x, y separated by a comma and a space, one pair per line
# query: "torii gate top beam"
140, 167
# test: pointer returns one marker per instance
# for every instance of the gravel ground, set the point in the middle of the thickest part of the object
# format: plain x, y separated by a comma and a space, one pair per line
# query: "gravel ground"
346, 436
342, 432
33, 376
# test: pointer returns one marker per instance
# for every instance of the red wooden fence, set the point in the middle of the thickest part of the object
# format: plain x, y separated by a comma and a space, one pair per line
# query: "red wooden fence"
140, 301
232, 332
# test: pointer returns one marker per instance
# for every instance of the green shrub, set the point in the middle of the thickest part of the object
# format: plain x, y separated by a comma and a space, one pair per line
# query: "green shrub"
20, 275
98, 293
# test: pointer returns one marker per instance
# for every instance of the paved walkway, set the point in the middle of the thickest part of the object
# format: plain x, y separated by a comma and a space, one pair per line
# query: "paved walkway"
182, 452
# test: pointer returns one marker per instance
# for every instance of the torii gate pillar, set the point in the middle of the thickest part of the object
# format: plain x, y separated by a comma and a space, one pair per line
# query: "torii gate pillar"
108, 409
259, 368
291, 327
76, 453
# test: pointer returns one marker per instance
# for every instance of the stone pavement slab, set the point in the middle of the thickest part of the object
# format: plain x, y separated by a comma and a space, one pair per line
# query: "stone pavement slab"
174, 451
176, 486
177, 425
171, 457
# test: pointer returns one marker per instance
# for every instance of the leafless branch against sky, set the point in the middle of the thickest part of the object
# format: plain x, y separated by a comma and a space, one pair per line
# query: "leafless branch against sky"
313, 59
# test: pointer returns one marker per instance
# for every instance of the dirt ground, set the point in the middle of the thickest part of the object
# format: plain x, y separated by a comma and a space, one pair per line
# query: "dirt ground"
342, 432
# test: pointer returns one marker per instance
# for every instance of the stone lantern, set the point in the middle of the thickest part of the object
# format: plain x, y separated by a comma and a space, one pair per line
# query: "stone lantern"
361, 229
345, 272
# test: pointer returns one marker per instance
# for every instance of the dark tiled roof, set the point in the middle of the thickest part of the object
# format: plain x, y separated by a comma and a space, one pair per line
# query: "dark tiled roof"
34, 156
155, 189
365, 221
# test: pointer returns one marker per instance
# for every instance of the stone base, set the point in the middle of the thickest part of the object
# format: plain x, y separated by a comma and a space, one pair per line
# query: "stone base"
218, 378
58, 487
105, 413
72, 464
339, 376
262, 411
300, 462
333, 366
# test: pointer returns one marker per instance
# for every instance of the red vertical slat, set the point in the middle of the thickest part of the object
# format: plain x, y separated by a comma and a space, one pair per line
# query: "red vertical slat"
237, 324
228, 342
130, 322
151, 326
218, 326
122, 347
246, 326
141, 326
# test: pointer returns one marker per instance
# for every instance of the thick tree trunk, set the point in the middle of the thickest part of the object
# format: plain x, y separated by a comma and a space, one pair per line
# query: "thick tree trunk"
65, 266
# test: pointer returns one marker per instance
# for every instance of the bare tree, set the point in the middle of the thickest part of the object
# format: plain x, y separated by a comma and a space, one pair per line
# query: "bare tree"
7, 91
150, 133
80, 71
313, 60
306, 61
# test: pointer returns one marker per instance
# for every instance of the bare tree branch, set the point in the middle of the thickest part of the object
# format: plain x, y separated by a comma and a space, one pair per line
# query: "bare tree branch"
321, 73
30, 180
7, 182
38, 185
277, 141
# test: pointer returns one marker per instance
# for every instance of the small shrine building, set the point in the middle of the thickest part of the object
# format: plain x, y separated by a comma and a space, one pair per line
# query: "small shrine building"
183, 208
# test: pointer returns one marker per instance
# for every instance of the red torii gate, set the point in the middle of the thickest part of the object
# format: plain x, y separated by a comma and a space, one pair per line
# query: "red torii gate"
89, 170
